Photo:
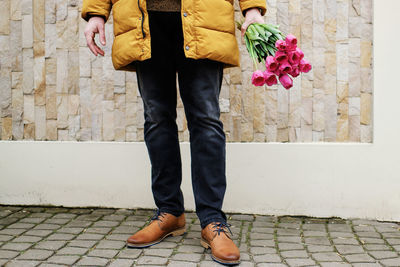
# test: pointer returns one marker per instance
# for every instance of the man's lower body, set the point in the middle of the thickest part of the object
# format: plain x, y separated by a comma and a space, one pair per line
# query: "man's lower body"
199, 86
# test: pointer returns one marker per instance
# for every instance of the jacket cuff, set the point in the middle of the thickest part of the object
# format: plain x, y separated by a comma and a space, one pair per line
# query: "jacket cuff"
248, 4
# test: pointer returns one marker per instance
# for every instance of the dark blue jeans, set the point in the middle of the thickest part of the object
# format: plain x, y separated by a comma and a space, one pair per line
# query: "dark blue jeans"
199, 86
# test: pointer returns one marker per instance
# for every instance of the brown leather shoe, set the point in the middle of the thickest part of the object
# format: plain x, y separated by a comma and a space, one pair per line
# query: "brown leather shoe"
162, 225
223, 249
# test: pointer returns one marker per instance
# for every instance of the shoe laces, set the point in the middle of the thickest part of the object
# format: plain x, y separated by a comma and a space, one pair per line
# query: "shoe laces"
157, 215
221, 227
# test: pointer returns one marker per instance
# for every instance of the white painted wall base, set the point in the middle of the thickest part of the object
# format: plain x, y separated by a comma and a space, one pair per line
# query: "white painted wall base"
344, 180
319, 179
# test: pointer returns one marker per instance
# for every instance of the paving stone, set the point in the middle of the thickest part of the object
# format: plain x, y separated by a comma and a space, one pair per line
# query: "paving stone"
300, 262
72, 251
294, 254
98, 230
114, 217
267, 258
36, 254
373, 247
165, 244
51, 245
255, 236
63, 259
118, 237
92, 261
393, 241
152, 260
264, 230
271, 265
286, 231
74, 224
194, 249
105, 224
326, 256
57, 221
383, 254
192, 257
61, 237
87, 236
11, 231
19, 225
82, 243
365, 264
341, 234
349, 249
359, 258
27, 239
262, 250
125, 230
366, 240
16, 246
335, 264
368, 234
69, 230
345, 241
64, 216
161, 252
40, 215
103, 253
262, 243
130, 253
391, 262
22, 263
46, 226
242, 217
8, 254
32, 220
317, 240
121, 263
181, 264
6, 237
8, 221
111, 244
88, 217
318, 248
41, 233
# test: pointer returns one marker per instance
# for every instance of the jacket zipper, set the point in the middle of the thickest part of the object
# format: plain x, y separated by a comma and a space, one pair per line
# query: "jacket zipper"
143, 34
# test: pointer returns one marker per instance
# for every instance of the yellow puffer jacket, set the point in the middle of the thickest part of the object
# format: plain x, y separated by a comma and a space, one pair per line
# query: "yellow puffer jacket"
208, 29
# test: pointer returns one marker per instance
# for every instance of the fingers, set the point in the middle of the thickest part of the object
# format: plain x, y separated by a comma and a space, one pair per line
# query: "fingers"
244, 27
91, 43
100, 28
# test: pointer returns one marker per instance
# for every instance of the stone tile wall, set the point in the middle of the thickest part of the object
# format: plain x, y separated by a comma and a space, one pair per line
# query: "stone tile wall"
53, 88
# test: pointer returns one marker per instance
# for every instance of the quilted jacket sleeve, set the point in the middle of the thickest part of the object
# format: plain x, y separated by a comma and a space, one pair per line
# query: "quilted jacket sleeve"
96, 8
246, 4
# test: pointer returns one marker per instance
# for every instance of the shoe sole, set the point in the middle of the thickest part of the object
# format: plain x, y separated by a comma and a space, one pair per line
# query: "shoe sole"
177, 232
206, 245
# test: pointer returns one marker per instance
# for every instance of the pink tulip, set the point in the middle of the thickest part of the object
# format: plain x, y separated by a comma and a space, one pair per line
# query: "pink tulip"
294, 57
257, 78
280, 56
271, 64
285, 68
291, 42
281, 45
305, 66
270, 78
295, 71
300, 52
286, 81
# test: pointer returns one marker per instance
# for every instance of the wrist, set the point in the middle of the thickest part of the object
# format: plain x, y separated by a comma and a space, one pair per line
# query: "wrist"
253, 8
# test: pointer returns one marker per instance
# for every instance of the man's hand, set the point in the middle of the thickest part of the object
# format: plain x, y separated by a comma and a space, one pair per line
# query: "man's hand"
95, 25
253, 15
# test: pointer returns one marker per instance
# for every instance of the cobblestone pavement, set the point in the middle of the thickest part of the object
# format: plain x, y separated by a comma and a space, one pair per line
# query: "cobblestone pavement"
50, 236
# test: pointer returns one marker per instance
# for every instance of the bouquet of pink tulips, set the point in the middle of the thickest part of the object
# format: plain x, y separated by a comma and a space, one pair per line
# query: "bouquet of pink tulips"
281, 56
